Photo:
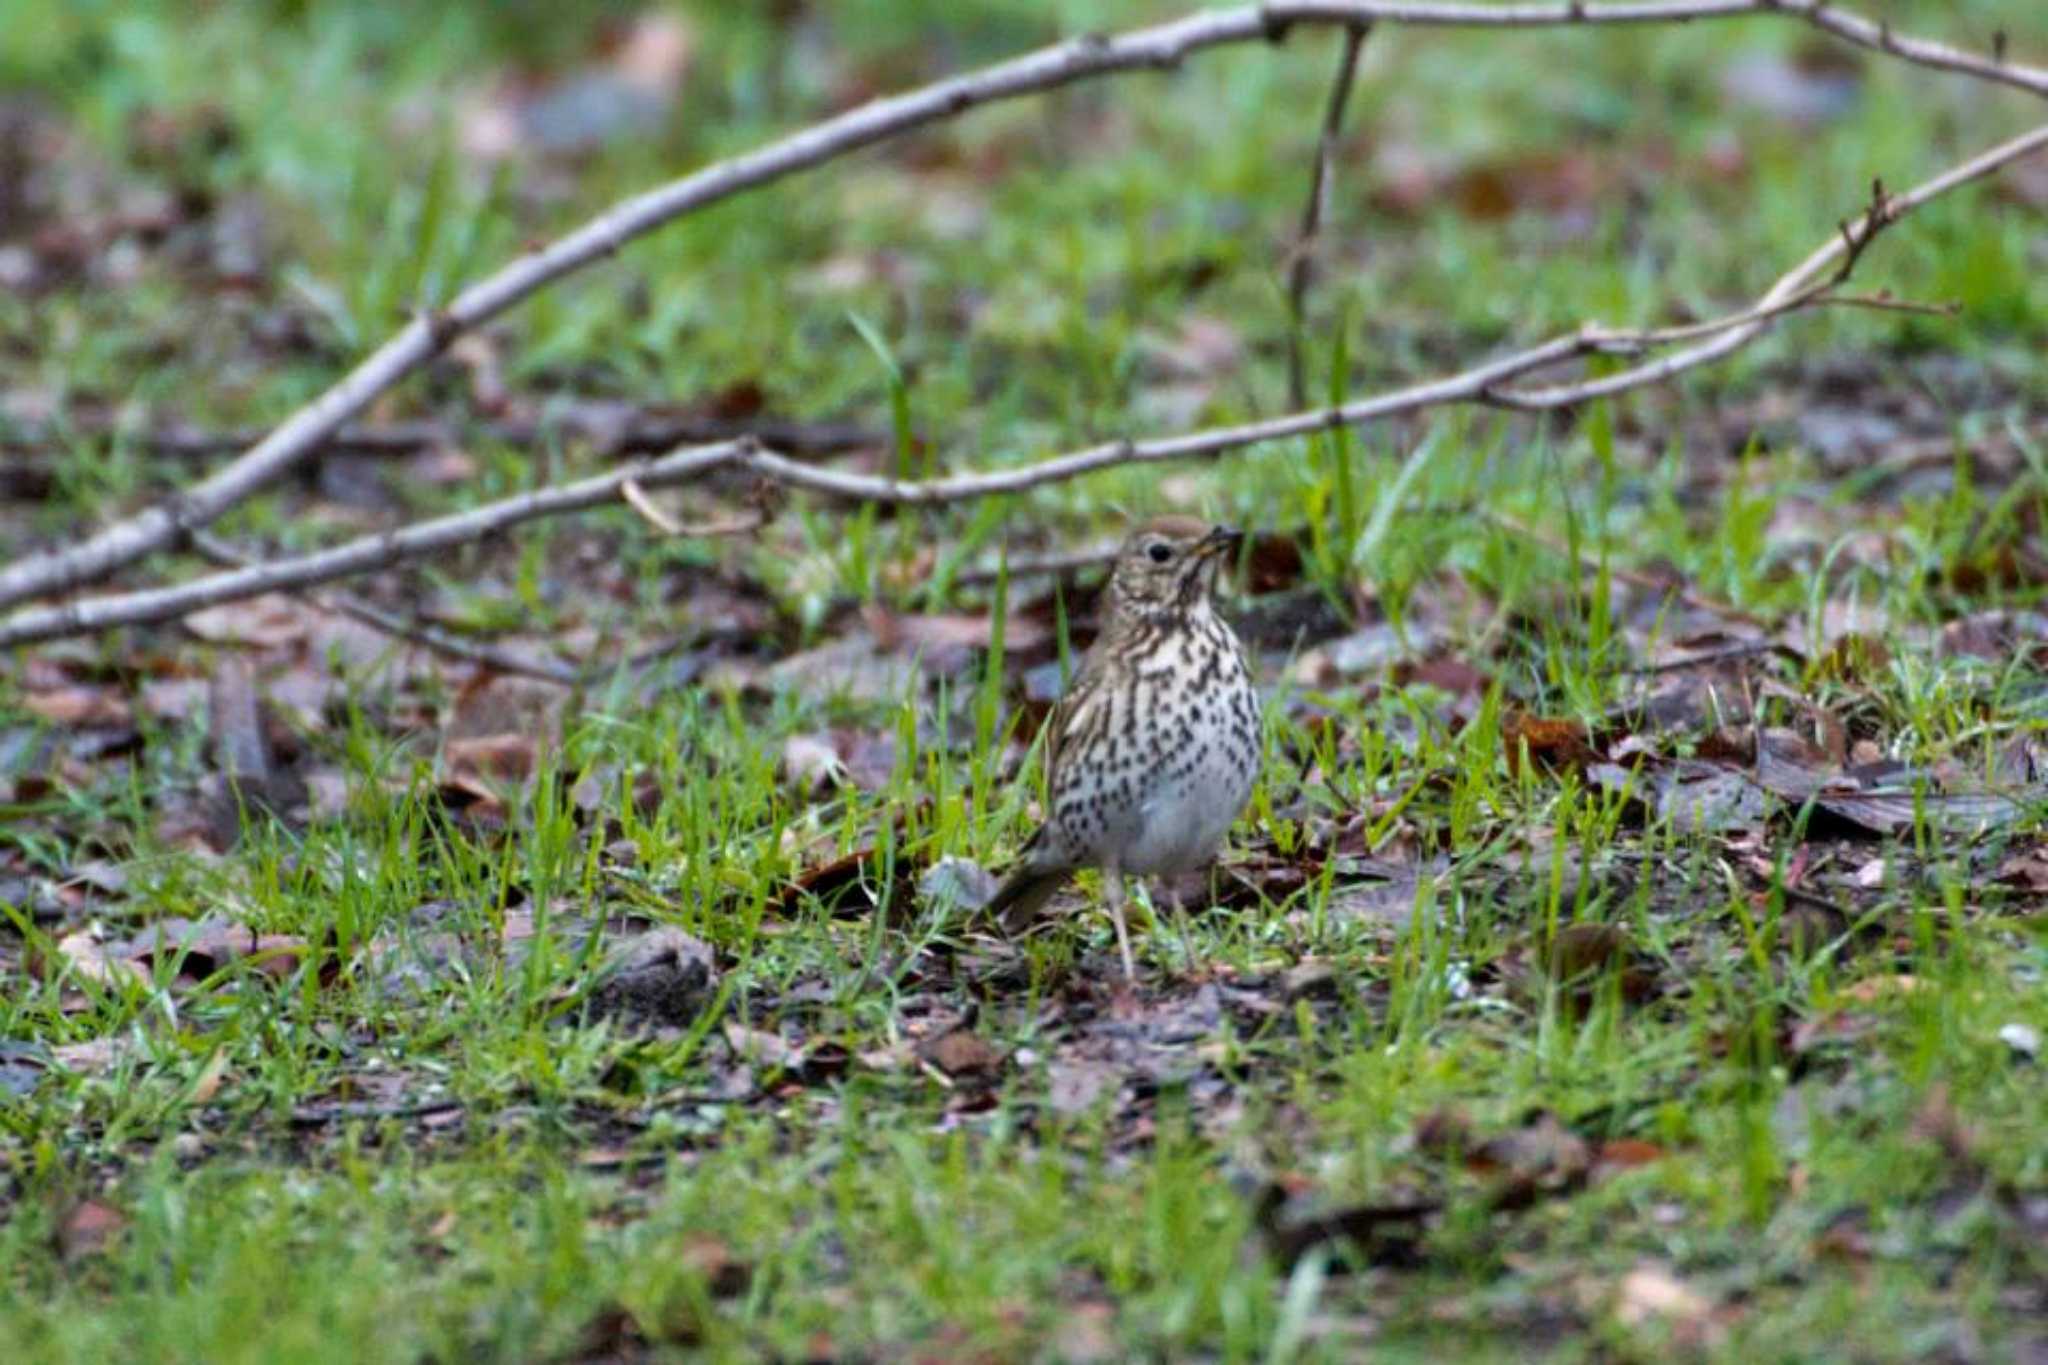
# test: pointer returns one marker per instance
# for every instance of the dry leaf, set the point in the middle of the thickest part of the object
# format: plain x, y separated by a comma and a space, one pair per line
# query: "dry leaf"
810, 765
1553, 744
1874, 988
268, 621
79, 707
962, 1052
87, 1228
1074, 1087
1652, 1292
507, 757
96, 961
761, 1048
207, 1083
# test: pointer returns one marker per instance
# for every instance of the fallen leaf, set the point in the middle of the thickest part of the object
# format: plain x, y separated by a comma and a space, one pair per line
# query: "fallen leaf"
1541, 1158
1086, 1334
268, 621
1583, 950
1073, 1087
1652, 1292
1627, 1153
87, 1228
758, 1047
1845, 1028
209, 946
507, 757
811, 766
80, 707
962, 1052
855, 872
1553, 744
492, 706
855, 668
2026, 869
97, 962
207, 1083
1898, 812
94, 1054
1874, 988
724, 1273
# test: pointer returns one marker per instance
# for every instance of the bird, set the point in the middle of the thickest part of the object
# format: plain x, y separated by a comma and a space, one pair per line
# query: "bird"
1153, 750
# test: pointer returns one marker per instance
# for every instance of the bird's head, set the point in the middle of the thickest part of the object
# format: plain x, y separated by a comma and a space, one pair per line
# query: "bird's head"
1168, 567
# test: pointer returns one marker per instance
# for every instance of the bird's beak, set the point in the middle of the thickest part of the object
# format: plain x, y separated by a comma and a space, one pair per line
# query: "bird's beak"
1221, 540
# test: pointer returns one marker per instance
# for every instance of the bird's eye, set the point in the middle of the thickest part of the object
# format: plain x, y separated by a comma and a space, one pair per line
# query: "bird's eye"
1160, 552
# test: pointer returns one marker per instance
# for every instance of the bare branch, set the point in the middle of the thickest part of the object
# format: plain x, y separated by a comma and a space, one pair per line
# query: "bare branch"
1159, 47
360, 555
1790, 285
1302, 271
1805, 285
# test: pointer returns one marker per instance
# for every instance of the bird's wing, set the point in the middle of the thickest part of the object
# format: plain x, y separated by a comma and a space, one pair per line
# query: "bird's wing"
1073, 714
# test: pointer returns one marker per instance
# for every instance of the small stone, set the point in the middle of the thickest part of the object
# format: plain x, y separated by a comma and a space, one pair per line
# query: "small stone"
2024, 1039
957, 883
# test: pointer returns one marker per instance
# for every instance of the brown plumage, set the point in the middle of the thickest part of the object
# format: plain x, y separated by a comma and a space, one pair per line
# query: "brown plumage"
1153, 750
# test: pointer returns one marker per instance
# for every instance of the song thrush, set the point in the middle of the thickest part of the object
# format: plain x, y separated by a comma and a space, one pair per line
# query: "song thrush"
1153, 750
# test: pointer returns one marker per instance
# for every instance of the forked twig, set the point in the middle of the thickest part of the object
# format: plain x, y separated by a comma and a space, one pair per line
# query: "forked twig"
1486, 384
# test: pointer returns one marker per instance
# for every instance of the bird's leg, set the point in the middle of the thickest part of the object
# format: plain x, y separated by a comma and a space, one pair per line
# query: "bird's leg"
1180, 923
1113, 893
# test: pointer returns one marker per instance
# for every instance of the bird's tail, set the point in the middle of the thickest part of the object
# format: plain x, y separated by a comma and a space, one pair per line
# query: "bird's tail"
1024, 893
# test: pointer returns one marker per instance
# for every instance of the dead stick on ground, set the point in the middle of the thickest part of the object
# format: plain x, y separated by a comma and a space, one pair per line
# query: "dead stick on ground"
1302, 272
1159, 47
1804, 286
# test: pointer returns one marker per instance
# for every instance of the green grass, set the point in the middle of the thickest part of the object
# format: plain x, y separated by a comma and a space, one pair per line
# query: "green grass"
591, 1188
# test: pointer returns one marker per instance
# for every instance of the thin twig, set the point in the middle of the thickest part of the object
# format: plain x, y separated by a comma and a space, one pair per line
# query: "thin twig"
363, 554
1480, 384
744, 524
1820, 296
316, 1115
1161, 46
1302, 273
1793, 283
